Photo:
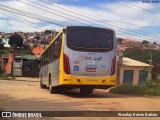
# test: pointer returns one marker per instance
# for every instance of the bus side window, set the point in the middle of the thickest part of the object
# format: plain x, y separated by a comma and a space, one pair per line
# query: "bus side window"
45, 58
59, 45
42, 60
55, 49
50, 54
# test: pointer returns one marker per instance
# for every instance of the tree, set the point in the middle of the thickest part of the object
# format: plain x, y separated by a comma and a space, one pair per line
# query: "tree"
137, 54
47, 32
154, 42
16, 40
145, 56
145, 42
119, 40
37, 37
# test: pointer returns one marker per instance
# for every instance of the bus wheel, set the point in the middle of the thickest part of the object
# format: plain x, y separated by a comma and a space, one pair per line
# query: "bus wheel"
52, 89
85, 90
41, 84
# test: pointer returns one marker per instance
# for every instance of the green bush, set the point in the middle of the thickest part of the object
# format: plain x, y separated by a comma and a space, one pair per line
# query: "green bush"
151, 87
1, 72
127, 89
6, 77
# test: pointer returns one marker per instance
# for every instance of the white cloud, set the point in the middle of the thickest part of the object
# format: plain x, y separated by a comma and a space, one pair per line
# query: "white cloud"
115, 13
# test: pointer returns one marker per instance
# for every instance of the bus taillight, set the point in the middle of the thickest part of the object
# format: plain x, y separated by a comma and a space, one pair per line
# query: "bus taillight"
66, 64
113, 67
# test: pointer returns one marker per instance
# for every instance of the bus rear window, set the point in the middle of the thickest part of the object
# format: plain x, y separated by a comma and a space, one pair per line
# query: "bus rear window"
90, 39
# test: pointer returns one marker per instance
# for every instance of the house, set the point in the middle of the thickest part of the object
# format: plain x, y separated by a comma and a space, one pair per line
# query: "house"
4, 60
6, 42
26, 66
131, 72
7, 63
129, 42
37, 51
8, 66
122, 47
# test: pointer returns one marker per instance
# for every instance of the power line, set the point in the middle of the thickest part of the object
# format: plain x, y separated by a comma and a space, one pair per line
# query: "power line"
148, 10
92, 16
66, 17
51, 12
37, 26
31, 16
27, 14
102, 21
156, 17
19, 21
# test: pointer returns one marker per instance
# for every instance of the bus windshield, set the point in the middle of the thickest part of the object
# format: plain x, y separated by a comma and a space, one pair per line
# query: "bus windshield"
90, 39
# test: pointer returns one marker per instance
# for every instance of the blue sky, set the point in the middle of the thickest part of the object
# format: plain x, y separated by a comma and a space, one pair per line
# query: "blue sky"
129, 18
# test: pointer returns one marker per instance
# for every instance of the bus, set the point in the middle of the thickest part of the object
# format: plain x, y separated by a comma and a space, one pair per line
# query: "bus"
80, 57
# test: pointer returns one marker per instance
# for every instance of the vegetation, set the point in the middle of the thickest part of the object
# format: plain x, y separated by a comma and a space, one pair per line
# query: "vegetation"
154, 42
16, 40
145, 42
47, 32
1, 72
151, 87
6, 76
147, 56
143, 55
119, 40
37, 37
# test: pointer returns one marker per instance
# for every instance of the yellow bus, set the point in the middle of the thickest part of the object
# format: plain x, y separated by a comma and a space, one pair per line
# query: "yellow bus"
79, 57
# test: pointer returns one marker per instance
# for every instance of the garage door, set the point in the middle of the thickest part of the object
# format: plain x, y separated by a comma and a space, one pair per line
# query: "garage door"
128, 77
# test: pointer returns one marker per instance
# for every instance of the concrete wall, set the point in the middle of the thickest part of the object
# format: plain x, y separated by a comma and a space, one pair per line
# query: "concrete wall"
135, 76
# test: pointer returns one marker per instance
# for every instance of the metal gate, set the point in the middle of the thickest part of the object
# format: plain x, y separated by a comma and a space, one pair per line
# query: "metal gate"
30, 68
17, 66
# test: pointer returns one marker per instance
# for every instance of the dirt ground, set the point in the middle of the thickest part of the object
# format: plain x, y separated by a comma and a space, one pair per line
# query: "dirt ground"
28, 96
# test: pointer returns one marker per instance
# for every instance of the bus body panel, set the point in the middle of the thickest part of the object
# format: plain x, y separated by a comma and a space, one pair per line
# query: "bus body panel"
51, 71
89, 64
84, 80
44, 74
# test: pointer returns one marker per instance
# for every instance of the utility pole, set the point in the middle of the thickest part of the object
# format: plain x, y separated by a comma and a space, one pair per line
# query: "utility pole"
53, 33
44, 41
150, 60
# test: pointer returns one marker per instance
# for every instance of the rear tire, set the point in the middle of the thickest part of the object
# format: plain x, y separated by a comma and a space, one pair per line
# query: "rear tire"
41, 84
85, 90
53, 90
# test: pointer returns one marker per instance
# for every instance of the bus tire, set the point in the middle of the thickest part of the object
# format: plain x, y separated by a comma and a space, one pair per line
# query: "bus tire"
85, 90
41, 84
53, 90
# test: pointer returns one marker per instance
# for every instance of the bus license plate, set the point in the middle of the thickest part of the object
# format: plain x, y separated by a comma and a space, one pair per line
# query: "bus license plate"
91, 69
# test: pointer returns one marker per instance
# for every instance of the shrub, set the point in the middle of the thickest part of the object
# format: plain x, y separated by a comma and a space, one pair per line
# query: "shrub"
151, 87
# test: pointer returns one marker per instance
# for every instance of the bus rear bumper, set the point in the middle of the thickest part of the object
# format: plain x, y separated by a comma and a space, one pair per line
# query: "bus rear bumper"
106, 81
88, 86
